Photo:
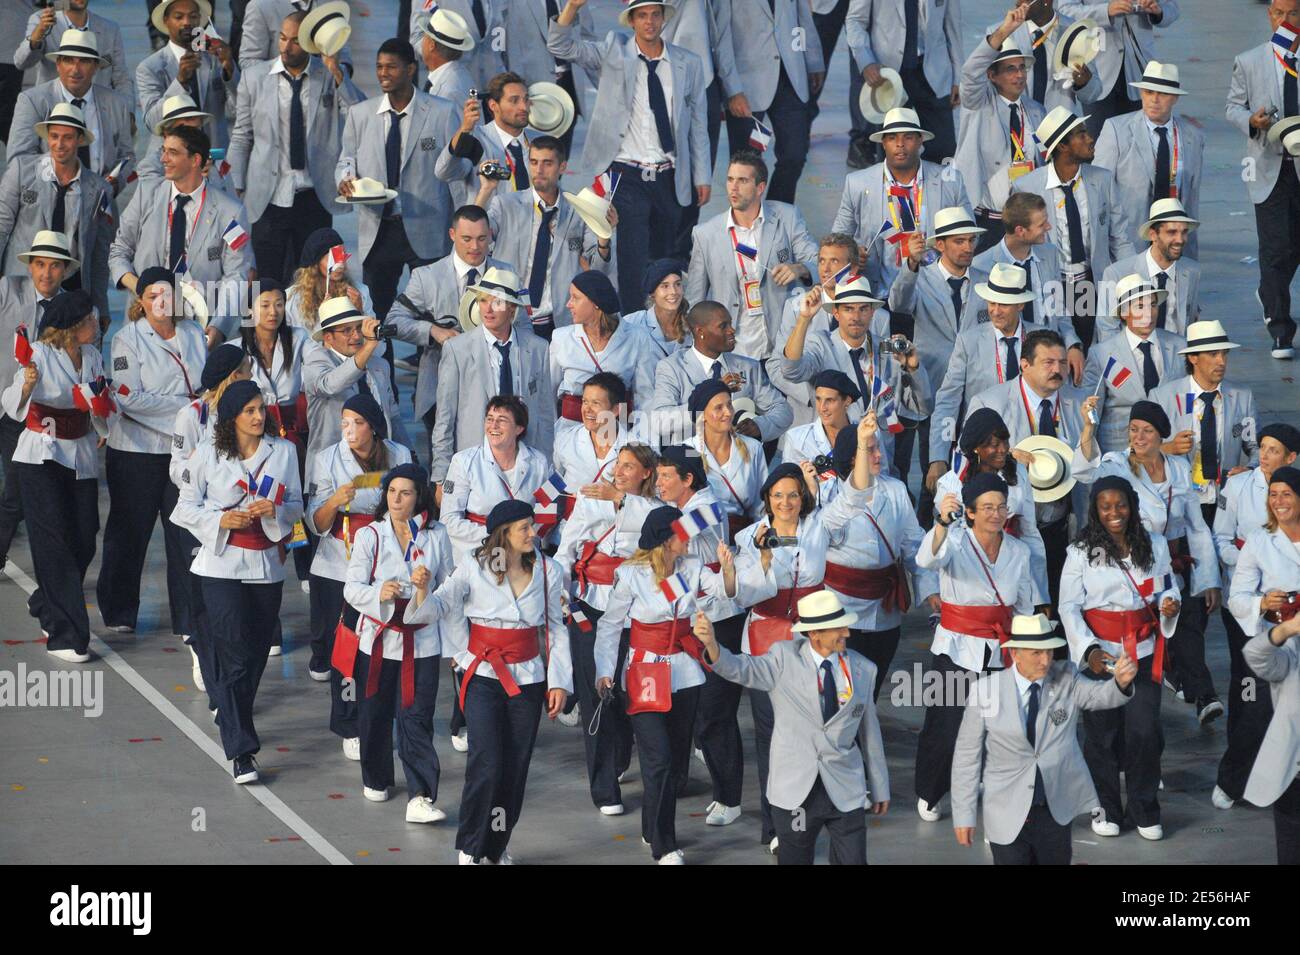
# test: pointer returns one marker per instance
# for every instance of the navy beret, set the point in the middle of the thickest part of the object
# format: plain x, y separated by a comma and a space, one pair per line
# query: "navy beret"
658, 527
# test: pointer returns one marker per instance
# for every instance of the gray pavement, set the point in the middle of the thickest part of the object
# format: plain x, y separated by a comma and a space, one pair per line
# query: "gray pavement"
145, 783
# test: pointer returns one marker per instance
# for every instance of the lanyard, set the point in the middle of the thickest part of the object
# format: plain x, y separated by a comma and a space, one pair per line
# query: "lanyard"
1018, 144
975, 547
599, 471
1173, 166
913, 195
883, 539
194, 223
1033, 422
997, 348
1150, 607
189, 389
848, 680
1281, 61
590, 354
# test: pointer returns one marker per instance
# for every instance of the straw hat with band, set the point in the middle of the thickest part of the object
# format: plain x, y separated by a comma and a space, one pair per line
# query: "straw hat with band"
501, 283
47, 244
1006, 285
1287, 132
1049, 471
951, 222
1078, 46
1167, 210
160, 11
82, 44
625, 15
326, 28
592, 209
1160, 78
550, 109
1032, 632
1055, 127
334, 313
1132, 287
177, 107
822, 610
449, 29
367, 192
900, 119
1206, 336
65, 114
856, 291
877, 102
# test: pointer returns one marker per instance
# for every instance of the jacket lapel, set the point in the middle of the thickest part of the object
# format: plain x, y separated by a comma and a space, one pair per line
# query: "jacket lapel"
1145, 157
773, 234
418, 115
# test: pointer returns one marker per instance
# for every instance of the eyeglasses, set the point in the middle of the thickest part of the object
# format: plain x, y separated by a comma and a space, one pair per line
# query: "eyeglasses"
990, 509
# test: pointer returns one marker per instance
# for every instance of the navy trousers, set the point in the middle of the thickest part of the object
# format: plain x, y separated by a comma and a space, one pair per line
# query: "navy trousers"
240, 622
790, 119
375, 715
326, 601
11, 504
1129, 739
847, 830
1041, 841
663, 744
1250, 710
608, 751
717, 727
649, 218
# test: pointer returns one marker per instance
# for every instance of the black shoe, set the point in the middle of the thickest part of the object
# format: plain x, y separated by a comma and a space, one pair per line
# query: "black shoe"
862, 153
1208, 710
245, 770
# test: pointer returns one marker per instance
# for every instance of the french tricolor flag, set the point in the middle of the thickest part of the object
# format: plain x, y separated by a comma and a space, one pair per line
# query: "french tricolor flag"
106, 207
271, 489
1169, 582
94, 397
674, 588
1285, 37
550, 492
693, 523
605, 184
235, 236
22, 346
748, 251
960, 465
1188, 402
1116, 374
844, 275
338, 257
579, 620
1147, 588
760, 137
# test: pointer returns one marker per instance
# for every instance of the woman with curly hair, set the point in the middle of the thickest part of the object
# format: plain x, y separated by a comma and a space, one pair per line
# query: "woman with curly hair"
321, 276
1119, 596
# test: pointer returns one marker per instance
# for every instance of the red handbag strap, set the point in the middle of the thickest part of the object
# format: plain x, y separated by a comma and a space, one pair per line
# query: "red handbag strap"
1149, 606
984, 567
883, 539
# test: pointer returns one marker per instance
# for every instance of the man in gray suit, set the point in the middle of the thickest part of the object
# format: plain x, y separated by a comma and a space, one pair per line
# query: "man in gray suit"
502, 140
442, 48
1275, 656
539, 229
44, 32
714, 356
745, 257
1088, 212
497, 358
425, 313
395, 138
210, 78
1261, 93
485, 21
184, 225
1019, 735
648, 127
921, 39
178, 110
1037, 38
1166, 263
781, 33
261, 27
288, 128
527, 27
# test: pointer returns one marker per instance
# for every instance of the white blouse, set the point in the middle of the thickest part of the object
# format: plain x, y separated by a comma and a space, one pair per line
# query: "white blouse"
629, 354
284, 382
736, 484
615, 532
327, 472
475, 484
54, 388
161, 377
1269, 561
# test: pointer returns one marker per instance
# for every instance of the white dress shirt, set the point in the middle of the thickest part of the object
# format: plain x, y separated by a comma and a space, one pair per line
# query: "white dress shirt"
839, 672
71, 204
1060, 222
1171, 283
1133, 342
751, 330
90, 112
405, 130
494, 358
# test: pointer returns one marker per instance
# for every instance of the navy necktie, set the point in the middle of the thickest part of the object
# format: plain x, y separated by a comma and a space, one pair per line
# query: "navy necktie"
1017, 130
658, 104
177, 239
1162, 315
59, 216
480, 18
716, 370
1013, 363
1040, 68
1046, 424
83, 152
541, 256
1074, 225
1162, 163
911, 26
830, 702
363, 386
192, 88
1027, 313
1290, 102
1150, 377
1031, 732
520, 167
507, 382
393, 154
956, 286
471, 278
855, 359
297, 124
1209, 438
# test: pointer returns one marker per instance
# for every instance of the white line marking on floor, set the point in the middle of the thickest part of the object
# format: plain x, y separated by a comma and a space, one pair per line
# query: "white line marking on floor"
273, 803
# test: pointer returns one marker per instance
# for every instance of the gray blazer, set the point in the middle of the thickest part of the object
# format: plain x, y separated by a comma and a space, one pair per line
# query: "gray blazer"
1239, 444
453, 84
1049, 306
704, 28
1114, 404
1187, 294
1279, 754
984, 134
13, 16
155, 80
459, 170
527, 30
514, 221
864, 209
1054, 95
676, 377
108, 37
783, 31
1255, 84
1111, 229
466, 382
1125, 147
115, 134
261, 32
484, 61
1006, 401
877, 30
329, 380
26, 207
926, 296
614, 60
712, 272
434, 289
992, 746
142, 241
846, 753
1118, 39
255, 140
426, 203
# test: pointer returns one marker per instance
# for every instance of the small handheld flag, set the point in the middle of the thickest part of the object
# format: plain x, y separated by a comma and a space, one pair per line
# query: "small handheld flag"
22, 346
106, 207
1115, 373
674, 588
1146, 588
605, 184
1188, 402
338, 257
693, 523
1285, 36
842, 276
550, 491
748, 251
760, 137
960, 465
235, 236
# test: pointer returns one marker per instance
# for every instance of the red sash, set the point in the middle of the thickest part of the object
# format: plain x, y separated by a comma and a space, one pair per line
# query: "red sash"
1180, 559
785, 603
1129, 628
291, 418
408, 654
251, 537
987, 622
666, 638
478, 519
885, 584
69, 423
571, 407
499, 646
594, 567
355, 523
781, 613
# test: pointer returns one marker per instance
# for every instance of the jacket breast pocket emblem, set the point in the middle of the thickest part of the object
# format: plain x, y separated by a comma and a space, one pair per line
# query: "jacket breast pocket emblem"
1057, 716
575, 243
428, 144
858, 710
214, 253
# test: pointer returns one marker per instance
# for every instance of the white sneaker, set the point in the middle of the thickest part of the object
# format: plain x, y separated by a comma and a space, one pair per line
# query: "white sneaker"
1221, 799
774, 845
422, 809
275, 650
375, 795
616, 809
196, 673
121, 628
1154, 833
460, 742
352, 748
69, 656
306, 586
673, 858
1103, 827
572, 718
506, 859
720, 815
320, 676
698, 754
464, 858
925, 812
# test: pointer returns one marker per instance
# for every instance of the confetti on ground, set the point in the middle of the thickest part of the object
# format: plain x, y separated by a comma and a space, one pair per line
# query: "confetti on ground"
146, 739
17, 788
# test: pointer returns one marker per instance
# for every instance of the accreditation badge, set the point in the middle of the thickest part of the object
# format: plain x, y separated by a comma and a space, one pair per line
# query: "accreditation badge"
753, 293
1019, 168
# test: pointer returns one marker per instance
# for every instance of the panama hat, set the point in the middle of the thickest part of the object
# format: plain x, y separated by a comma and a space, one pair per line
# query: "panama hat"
449, 29
625, 15
742, 409
1055, 127
592, 209
368, 192
950, 222
875, 102
501, 283
334, 312
326, 28
1079, 45
65, 114
160, 11
49, 245
901, 119
177, 107
1167, 210
1160, 78
1049, 471
855, 291
822, 610
1206, 336
1009, 50
194, 304
1287, 132
79, 43
1006, 285
1134, 286
1032, 632
550, 109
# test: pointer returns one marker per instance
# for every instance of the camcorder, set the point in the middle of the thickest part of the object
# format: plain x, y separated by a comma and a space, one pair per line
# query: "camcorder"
491, 169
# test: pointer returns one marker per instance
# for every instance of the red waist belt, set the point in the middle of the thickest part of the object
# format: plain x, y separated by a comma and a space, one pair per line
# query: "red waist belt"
252, 537
1180, 559
478, 519
1129, 628
499, 646
1012, 526
291, 418
785, 603
885, 584
69, 423
571, 407
987, 622
666, 638
594, 567
355, 523
408, 654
